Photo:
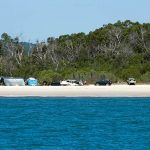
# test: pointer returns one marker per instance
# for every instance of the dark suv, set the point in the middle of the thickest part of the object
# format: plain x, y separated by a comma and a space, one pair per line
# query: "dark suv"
55, 83
103, 82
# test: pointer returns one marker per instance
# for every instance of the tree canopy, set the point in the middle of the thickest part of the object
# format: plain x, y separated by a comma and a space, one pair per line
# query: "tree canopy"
115, 51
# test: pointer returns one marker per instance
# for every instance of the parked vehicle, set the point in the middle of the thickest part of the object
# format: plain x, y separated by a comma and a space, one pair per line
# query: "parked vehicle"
103, 82
55, 83
71, 83
131, 81
10, 81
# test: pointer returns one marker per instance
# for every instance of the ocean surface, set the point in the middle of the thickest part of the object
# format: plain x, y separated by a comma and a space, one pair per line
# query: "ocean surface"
74, 123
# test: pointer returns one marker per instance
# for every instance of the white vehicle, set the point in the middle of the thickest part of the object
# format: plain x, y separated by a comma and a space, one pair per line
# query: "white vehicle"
131, 81
71, 83
10, 81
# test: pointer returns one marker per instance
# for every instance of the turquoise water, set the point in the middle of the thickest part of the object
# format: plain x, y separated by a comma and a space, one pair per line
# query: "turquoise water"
74, 123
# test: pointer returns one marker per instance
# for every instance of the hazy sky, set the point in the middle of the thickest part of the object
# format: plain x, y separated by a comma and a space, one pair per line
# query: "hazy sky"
38, 19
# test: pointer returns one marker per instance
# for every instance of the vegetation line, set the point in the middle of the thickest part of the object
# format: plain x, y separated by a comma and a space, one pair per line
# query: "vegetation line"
115, 51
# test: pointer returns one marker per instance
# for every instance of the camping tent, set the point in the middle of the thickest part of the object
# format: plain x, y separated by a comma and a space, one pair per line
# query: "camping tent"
32, 82
9, 81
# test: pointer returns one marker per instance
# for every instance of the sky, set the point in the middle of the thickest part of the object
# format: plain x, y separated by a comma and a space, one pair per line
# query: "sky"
33, 20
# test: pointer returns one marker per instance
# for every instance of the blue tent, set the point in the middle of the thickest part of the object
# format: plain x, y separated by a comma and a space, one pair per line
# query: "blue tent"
32, 82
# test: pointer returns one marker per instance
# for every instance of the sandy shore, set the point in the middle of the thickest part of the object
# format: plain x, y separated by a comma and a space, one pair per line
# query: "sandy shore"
77, 91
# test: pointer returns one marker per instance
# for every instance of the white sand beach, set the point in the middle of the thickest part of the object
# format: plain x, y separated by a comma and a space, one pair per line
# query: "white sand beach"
76, 91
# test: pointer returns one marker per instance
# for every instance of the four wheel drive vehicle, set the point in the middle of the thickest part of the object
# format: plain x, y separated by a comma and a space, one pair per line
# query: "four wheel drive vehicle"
71, 83
55, 83
131, 81
103, 82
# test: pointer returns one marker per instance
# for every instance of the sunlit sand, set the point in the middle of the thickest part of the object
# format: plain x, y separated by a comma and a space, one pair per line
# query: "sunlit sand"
77, 91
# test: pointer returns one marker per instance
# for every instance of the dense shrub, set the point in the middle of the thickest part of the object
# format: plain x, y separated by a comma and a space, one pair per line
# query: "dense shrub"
49, 76
146, 77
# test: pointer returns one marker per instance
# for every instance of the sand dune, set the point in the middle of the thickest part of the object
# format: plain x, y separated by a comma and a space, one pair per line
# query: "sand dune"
77, 91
